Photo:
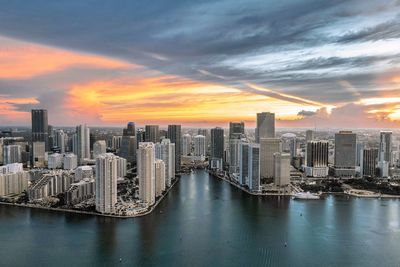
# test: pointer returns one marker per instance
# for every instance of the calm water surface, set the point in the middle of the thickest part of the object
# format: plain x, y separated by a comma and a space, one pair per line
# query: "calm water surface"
207, 222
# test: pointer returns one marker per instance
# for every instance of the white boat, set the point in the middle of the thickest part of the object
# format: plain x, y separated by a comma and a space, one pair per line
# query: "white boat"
306, 195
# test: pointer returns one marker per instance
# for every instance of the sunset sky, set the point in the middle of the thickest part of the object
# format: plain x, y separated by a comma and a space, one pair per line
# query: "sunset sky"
201, 63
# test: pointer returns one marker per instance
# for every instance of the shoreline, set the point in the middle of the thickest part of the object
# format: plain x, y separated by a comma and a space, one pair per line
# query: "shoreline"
378, 196
152, 208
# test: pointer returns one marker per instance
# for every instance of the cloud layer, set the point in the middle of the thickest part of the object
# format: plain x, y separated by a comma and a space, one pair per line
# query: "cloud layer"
202, 62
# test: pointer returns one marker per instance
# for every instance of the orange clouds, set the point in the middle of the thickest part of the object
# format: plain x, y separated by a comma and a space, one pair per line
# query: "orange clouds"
22, 60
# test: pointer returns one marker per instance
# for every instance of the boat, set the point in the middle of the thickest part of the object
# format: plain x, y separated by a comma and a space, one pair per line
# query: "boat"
306, 195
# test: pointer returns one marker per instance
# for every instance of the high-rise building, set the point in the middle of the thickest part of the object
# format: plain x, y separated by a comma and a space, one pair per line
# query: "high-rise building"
13, 179
265, 126
55, 161
254, 167
281, 169
200, 145
38, 154
60, 140
174, 134
217, 148
234, 155
12, 154
345, 153
160, 177
268, 146
81, 144
106, 182
152, 133
186, 144
140, 136
244, 163
165, 151
317, 158
116, 142
99, 147
369, 160
129, 130
385, 146
146, 172
236, 130
128, 148
40, 126
359, 150
289, 144
310, 135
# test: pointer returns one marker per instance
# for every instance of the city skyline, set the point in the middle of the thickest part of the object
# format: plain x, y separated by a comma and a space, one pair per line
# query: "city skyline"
202, 64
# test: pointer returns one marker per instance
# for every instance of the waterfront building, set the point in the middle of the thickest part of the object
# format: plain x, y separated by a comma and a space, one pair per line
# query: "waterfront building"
51, 184
265, 126
317, 154
55, 161
244, 163
152, 133
12, 154
236, 130
174, 134
40, 126
268, 146
80, 191
281, 169
186, 144
199, 146
146, 172
81, 143
234, 155
99, 147
345, 154
217, 148
254, 167
70, 161
165, 151
159, 176
106, 182
369, 160
385, 146
13, 179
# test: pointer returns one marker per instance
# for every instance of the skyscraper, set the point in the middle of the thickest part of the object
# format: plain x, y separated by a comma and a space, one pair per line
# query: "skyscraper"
186, 144
146, 172
106, 182
369, 160
244, 163
317, 158
385, 146
99, 147
200, 145
268, 146
174, 134
81, 144
254, 167
40, 126
236, 130
128, 148
345, 153
60, 140
217, 147
152, 133
265, 125
166, 152
281, 169
234, 154
129, 130
159, 176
